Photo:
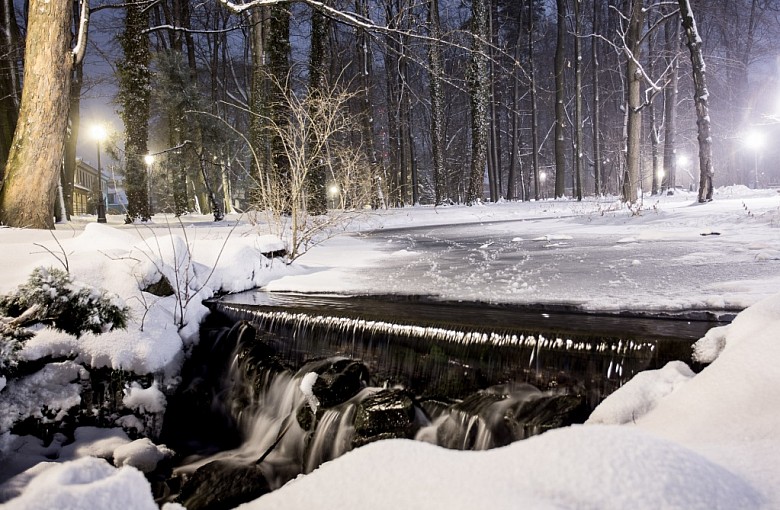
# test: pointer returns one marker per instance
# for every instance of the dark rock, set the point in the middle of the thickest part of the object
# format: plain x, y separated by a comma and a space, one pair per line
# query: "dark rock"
546, 412
387, 413
221, 485
161, 288
339, 381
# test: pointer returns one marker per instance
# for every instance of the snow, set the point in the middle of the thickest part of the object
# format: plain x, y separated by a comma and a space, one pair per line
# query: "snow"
668, 439
142, 454
48, 393
86, 483
582, 467
148, 400
307, 384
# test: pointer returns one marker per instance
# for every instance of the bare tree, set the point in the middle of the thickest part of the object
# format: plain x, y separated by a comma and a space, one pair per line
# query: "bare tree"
634, 79
701, 100
560, 107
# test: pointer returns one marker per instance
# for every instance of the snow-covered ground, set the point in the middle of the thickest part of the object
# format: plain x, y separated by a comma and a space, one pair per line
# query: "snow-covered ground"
668, 439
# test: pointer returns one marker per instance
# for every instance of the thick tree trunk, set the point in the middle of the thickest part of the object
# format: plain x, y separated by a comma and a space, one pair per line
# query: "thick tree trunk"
30, 181
479, 96
701, 101
317, 200
633, 110
436, 64
134, 98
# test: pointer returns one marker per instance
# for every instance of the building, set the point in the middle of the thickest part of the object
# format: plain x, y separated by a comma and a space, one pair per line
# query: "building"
85, 190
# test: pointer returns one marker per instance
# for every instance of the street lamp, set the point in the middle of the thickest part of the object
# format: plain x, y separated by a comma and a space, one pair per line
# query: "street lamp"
99, 134
542, 178
333, 191
754, 140
149, 160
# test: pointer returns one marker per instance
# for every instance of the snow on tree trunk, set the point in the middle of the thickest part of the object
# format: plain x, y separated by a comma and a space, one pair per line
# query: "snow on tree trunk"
33, 168
701, 101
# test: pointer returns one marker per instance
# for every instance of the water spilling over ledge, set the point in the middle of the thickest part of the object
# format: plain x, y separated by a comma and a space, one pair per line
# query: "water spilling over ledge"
278, 387
452, 349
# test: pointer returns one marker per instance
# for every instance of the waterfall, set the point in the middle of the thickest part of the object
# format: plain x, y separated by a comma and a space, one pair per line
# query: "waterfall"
283, 391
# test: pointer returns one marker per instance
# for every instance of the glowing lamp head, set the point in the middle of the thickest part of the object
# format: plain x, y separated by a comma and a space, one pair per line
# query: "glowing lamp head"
99, 133
149, 160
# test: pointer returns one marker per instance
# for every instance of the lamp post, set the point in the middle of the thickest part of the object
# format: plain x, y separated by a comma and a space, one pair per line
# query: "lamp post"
99, 134
542, 179
754, 140
333, 191
149, 160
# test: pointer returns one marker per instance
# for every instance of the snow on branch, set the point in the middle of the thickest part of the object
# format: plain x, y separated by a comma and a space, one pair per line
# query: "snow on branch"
81, 41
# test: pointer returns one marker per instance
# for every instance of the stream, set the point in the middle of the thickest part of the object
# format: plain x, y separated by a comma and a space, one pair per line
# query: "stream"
282, 382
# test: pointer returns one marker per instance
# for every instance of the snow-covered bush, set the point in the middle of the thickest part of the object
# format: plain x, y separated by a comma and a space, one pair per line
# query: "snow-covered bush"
51, 297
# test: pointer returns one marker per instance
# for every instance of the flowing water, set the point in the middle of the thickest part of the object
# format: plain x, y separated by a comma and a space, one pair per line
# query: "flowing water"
460, 375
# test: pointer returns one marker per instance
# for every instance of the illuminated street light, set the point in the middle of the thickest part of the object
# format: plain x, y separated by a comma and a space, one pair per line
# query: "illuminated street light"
333, 191
754, 140
99, 134
149, 160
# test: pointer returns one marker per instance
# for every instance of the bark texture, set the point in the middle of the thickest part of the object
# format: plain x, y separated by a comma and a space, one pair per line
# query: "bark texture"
701, 101
30, 182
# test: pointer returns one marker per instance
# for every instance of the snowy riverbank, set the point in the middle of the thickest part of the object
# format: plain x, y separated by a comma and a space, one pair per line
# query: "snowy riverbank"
668, 439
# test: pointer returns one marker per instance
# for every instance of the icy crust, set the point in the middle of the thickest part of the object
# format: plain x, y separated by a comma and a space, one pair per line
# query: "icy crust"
583, 467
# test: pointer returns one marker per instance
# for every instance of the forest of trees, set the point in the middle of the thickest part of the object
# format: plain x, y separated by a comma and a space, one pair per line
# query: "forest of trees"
317, 104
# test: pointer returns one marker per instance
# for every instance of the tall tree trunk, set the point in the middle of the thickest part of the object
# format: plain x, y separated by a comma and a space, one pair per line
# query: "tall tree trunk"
633, 108
31, 174
134, 98
671, 45
366, 108
258, 107
701, 101
655, 128
317, 202
597, 159
278, 47
514, 156
560, 109
479, 96
494, 159
534, 109
578, 136
10, 86
436, 66
74, 118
